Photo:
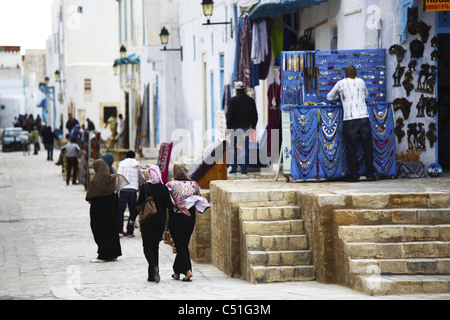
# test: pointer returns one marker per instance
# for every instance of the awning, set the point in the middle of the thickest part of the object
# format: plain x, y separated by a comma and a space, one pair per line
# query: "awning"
131, 59
271, 8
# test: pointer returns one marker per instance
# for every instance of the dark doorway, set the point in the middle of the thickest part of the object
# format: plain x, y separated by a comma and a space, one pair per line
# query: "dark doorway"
109, 112
444, 100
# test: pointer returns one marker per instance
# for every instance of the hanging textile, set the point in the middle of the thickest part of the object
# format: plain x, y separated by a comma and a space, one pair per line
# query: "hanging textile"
243, 63
381, 118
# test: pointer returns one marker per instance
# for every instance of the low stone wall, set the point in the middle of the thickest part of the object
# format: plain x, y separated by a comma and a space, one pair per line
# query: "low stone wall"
225, 225
217, 237
200, 244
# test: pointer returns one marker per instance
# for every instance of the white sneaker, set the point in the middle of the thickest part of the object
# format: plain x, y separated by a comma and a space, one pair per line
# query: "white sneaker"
97, 260
244, 176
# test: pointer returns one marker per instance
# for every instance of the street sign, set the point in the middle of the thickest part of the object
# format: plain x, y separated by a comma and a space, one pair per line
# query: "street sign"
436, 5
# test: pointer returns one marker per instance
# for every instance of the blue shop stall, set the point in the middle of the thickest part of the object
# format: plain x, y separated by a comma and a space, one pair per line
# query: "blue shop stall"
312, 126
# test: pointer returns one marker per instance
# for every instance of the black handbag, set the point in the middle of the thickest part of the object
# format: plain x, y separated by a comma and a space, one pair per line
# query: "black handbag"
148, 208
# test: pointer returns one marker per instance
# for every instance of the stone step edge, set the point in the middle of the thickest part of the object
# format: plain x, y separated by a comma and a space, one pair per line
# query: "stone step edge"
377, 285
262, 274
269, 213
435, 266
431, 216
272, 242
279, 258
412, 248
271, 228
400, 232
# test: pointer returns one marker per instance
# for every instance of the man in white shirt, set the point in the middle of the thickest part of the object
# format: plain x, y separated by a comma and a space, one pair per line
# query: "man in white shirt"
353, 94
128, 195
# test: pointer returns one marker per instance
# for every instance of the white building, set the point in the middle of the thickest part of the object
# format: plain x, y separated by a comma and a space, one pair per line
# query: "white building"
12, 98
82, 48
182, 88
34, 71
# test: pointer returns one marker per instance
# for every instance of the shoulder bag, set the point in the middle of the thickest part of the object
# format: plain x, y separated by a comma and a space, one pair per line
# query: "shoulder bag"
148, 208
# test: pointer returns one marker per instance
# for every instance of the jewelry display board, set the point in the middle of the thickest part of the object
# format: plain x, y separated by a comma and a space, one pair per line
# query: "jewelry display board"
316, 149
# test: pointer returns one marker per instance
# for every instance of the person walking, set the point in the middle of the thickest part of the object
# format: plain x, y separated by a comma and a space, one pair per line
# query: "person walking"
152, 229
241, 116
71, 153
353, 94
49, 140
129, 168
182, 221
102, 196
35, 138
71, 122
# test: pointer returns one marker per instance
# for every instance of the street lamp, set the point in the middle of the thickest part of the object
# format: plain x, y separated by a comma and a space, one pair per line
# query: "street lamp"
164, 36
115, 66
57, 74
123, 52
208, 8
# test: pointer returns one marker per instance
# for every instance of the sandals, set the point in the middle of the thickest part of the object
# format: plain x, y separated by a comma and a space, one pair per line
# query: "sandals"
187, 278
176, 276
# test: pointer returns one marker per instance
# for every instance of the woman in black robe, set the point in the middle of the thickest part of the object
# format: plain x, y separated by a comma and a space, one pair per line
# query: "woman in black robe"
152, 229
182, 221
102, 195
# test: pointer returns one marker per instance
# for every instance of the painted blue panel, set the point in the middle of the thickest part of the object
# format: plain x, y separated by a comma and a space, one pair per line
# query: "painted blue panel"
406, 4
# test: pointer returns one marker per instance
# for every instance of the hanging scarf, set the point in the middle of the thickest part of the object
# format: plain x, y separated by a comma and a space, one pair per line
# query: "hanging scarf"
104, 183
181, 188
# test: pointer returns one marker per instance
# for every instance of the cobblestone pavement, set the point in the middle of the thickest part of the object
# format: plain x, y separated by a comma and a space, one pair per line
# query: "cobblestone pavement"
46, 247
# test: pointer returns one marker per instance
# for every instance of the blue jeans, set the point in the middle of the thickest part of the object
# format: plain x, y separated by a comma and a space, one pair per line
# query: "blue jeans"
356, 131
244, 134
126, 197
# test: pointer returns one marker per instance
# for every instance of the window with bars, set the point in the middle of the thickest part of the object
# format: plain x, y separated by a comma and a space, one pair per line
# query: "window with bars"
87, 87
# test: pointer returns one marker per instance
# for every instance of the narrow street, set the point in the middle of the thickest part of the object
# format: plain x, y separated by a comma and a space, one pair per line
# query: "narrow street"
46, 248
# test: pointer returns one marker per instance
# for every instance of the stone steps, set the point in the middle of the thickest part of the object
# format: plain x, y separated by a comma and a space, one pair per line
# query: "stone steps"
400, 266
392, 216
277, 242
377, 285
269, 228
403, 250
396, 251
281, 274
279, 258
276, 245
395, 233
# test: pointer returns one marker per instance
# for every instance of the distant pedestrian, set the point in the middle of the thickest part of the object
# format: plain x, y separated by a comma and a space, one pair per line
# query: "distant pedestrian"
153, 229
109, 159
49, 140
182, 222
71, 123
35, 138
71, 152
242, 116
129, 168
90, 125
102, 196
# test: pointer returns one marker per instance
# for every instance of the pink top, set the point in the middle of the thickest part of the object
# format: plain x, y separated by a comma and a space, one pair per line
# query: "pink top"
180, 190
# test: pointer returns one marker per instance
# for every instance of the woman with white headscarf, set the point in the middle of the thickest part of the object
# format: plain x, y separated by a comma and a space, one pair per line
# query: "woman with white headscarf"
153, 228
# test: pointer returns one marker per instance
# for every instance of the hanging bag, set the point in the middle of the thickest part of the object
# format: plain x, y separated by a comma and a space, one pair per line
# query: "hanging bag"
148, 208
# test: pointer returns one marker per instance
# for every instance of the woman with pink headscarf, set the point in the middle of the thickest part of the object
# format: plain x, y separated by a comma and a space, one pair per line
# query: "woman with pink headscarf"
153, 228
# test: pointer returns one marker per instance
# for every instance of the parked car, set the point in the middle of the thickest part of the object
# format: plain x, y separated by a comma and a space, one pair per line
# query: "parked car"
11, 139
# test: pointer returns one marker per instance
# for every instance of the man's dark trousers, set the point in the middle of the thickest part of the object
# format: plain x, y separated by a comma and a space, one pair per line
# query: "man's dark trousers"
72, 164
127, 196
356, 131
